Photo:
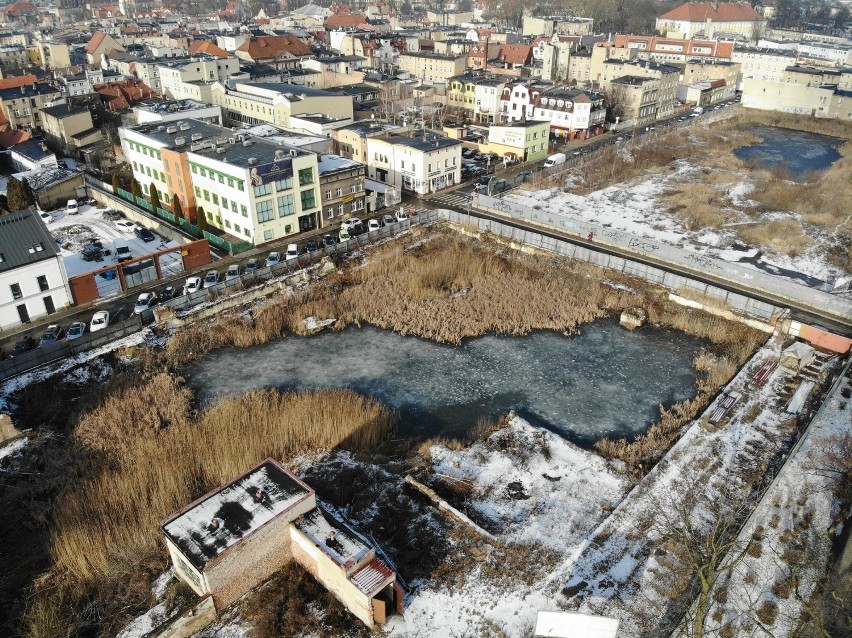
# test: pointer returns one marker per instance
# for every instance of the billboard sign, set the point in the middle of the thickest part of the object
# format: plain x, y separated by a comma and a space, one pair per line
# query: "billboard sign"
272, 172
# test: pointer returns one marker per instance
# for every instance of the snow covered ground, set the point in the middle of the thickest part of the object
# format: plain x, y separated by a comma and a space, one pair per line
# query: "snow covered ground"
72, 232
531, 488
638, 208
791, 522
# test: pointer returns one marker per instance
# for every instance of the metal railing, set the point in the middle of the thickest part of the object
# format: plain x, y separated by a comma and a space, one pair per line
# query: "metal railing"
295, 264
27, 361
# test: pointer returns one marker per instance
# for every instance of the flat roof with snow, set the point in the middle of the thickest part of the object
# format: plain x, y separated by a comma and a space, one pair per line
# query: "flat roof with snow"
343, 545
565, 624
236, 505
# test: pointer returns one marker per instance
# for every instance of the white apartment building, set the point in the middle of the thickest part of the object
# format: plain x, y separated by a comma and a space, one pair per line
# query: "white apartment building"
762, 64
174, 75
253, 189
518, 100
420, 165
487, 97
571, 110
33, 281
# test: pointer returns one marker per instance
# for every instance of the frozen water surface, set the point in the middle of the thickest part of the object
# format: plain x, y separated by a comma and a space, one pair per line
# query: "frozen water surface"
604, 382
801, 151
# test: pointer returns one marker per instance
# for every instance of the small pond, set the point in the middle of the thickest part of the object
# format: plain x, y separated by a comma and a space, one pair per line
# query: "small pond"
799, 151
605, 381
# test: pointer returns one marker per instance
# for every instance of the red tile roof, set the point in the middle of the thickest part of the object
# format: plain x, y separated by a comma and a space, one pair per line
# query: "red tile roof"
272, 46
18, 9
117, 96
9, 138
345, 20
515, 53
203, 46
95, 42
16, 81
717, 12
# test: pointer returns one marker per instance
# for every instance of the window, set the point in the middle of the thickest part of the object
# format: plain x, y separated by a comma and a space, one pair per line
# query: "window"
221, 179
148, 171
353, 188
215, 199
265, 211
194, 168
197, 192
306, 176
329, 212
267, 235
237, 228
207, 195
263, 189
328, 194
230, 183
135, 166
244, 210
340, 210
284, 184
286, 206
224, 203
233, 206
227, 224
308, 199
203, 172
340, 192
16, 291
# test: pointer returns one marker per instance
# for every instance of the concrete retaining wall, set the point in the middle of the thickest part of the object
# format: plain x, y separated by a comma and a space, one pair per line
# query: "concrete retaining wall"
188, 623
134, 214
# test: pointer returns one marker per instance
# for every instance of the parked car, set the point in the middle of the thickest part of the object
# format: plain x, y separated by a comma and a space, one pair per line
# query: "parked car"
500, 186
122, 250
351, 224
72, 208
52, 335
374, 224
292, 251
45, 217
76, 330
167, 293
476, 170
125, 226
100, 320
92, 253
111, 215
523, 176
22, 345
468, 153
145, 301
273, 259
343, 235
234, 271
328, 240
211, 278
311, 246
251, 265
388, 219
193, 284
145, 235
401, 214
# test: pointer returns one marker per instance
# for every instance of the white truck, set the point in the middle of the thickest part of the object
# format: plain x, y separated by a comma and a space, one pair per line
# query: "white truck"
698, 110
554, 160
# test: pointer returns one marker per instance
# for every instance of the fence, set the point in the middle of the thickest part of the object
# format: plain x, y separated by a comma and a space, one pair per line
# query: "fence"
48, 354
691, 267
224, 244
295, 264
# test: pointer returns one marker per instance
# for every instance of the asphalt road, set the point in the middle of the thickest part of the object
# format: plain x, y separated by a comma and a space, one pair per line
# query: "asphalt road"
121, 307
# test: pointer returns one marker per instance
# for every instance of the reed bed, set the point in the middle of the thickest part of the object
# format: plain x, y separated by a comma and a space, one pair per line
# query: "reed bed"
109, 519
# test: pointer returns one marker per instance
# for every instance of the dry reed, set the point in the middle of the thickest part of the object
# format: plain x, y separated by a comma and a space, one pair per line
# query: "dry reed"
110, 518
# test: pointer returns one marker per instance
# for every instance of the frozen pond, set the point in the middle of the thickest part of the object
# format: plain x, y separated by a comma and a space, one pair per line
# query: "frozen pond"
604, 382
801, 152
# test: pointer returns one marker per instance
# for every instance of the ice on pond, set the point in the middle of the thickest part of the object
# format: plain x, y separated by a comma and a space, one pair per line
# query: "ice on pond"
605, 381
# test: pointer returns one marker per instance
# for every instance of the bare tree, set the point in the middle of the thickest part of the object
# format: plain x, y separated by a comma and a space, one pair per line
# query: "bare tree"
616, 103
697, 527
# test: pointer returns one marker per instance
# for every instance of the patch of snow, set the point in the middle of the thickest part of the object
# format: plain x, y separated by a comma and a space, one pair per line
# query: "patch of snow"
13, 448
158, 589
144, 623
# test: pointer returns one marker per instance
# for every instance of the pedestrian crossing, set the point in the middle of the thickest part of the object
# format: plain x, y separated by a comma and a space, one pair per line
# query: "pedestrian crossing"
455, 199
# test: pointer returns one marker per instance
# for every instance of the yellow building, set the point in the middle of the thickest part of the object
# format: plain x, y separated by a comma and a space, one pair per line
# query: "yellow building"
432, 67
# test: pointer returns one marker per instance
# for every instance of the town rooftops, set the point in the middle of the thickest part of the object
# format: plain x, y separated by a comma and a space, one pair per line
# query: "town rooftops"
24, 239
32, 150
27, 91
432, 56
330, 164
425, 143
41, 178
63, 111
236, 505
715, 11
632, 80
172, 106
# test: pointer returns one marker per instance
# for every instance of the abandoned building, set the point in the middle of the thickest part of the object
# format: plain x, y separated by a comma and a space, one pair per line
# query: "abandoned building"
236, 536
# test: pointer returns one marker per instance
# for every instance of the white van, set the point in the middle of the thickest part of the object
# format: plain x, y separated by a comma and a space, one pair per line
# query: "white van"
554, 160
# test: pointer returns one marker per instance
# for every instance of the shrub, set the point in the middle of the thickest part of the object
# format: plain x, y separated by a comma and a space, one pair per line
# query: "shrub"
767, 612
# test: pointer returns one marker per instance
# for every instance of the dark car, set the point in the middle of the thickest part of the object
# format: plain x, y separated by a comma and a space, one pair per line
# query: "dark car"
24, 344
500, 186
111, 215
92, 253
523, 176
311, 246
76, 330
251, 266
468, 153
145, 235
327, 240
167, 293
52, 335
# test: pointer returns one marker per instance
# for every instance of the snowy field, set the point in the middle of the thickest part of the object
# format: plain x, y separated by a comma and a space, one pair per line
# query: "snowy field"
638, 208
72, 232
